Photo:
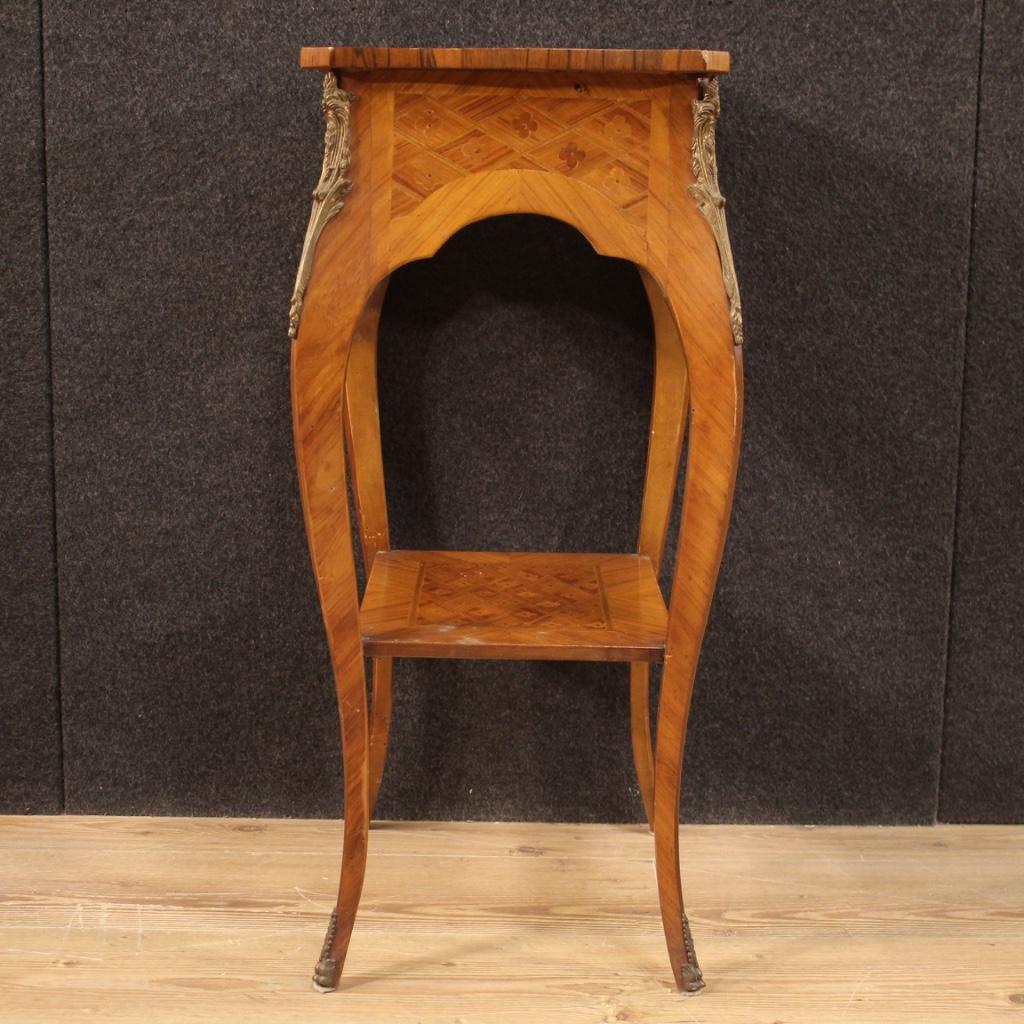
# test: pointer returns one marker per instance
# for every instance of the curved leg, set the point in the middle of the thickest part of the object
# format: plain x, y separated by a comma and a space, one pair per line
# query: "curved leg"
357, 823
669, 406
701, 291
380, 725
362, 432
668, 425
333, 288
710, 476
640, 734
318, 371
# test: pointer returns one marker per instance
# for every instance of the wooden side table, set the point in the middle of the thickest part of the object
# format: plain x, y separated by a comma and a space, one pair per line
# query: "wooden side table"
420, 143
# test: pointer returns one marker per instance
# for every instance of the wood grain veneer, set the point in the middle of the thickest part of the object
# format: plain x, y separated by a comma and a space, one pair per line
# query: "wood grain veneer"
484, 604
420, 143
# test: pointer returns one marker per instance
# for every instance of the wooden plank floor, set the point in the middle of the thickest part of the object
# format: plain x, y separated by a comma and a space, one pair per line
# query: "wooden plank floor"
159, 920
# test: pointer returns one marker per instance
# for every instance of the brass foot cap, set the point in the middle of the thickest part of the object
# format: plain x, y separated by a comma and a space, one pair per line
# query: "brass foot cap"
693, 980
325, 976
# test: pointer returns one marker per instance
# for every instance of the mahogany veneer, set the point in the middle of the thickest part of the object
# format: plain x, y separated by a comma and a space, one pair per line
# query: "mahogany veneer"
420, 143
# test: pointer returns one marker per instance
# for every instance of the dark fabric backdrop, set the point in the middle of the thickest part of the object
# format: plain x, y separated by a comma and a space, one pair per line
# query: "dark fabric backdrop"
181, 142
983, 768
30, 734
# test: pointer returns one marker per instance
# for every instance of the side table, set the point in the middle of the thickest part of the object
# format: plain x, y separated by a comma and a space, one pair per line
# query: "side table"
419, 143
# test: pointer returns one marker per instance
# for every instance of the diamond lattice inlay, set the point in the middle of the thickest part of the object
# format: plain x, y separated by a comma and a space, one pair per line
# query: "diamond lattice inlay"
508, 596
440, 138
479, 604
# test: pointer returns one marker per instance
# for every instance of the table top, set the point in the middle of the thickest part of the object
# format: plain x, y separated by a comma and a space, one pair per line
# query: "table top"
380, 58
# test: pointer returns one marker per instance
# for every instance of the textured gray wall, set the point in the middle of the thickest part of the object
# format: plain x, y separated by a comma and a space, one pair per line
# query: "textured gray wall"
30, 757
983, 769
515, 379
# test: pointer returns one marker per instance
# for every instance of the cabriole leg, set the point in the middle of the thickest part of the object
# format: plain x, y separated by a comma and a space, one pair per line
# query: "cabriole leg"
362, 432
665, 442
702, 294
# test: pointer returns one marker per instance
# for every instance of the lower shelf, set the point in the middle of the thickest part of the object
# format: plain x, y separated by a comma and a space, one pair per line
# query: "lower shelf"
513, 605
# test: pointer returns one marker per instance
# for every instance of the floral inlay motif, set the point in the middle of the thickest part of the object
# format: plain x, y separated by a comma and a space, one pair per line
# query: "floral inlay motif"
525, 124
441, 135
572, 155
619, 128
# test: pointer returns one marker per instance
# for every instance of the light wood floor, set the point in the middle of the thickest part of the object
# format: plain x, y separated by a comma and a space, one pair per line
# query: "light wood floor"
159, 920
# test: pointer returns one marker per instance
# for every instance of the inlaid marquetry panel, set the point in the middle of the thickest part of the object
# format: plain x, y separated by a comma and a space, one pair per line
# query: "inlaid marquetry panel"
602, 141
491, 604
509, 594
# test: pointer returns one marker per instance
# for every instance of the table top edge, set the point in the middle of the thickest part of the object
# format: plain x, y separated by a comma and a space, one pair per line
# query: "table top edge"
550, 59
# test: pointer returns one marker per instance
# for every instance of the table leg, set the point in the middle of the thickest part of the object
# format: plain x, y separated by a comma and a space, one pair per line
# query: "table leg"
669, 405
362, 433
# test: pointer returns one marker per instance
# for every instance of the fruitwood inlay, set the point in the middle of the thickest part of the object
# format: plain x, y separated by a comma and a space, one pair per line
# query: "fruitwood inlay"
445, 135
454, 604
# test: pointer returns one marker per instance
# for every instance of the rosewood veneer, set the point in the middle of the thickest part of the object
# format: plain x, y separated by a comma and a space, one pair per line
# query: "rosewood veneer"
420, 143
